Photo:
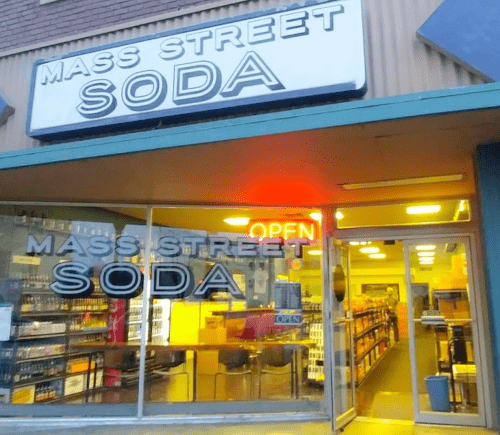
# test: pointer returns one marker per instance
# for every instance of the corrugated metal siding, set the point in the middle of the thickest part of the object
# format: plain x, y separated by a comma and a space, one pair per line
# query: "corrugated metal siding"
397, 63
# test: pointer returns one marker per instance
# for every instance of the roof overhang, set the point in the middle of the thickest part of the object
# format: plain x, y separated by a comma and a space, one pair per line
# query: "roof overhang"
296, 157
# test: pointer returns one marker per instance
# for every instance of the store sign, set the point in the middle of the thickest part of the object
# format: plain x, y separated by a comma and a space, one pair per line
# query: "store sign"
286, 229
172, 280
288, 303
303, 51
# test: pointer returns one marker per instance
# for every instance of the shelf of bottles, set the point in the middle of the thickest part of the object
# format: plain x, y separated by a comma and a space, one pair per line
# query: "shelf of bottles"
158, 321
371, 336
37, 366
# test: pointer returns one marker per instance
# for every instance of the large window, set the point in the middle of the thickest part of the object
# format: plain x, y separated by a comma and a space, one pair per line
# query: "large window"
215, 309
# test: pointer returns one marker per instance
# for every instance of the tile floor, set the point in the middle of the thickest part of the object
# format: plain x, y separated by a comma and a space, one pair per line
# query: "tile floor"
358, 427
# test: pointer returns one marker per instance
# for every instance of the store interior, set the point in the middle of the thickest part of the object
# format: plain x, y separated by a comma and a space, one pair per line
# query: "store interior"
221, 348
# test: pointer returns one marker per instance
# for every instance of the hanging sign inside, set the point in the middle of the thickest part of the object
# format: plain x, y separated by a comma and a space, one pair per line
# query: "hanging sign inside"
304, 51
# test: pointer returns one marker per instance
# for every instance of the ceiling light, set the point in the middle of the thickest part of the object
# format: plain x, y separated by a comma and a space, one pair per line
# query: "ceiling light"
339, 215
426, 253
429, 261
369, 250
404, 182
315, 252
426, 259
237, 221
354, 243
425, 247
316, 216
423, 209
377, 256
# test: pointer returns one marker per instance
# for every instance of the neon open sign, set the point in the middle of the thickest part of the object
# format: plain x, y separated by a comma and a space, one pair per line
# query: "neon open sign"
289, 229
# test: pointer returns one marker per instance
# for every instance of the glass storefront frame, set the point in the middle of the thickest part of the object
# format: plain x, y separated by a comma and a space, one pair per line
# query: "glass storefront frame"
140, 411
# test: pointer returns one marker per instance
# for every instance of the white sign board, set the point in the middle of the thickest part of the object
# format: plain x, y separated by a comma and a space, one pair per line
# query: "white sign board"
310, 52
5, 322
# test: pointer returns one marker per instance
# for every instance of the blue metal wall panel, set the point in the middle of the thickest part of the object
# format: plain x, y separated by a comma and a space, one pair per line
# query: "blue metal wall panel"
488, 182
469, 32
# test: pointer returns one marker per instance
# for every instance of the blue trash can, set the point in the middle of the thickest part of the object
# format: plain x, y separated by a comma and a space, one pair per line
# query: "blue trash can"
437, 387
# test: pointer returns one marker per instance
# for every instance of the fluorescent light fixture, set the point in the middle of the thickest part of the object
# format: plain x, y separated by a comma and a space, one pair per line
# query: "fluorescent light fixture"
426, 259
315, 252
425, 247
369, 250
423, 209
377, 256
339, 215
429, 261
404, 182
316, 216
426, 253
237, 221
354, 243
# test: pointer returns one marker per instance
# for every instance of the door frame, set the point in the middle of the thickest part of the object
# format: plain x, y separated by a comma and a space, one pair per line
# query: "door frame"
437, 417
467, 230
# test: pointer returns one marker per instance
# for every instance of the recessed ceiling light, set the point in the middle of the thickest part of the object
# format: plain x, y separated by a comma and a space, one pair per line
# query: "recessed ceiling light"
430, 261
404, 182
426, 253
339, 215
423, 209
377, 256
315, 252
237, 221
369, 250
354, 243
316, 216
425, 247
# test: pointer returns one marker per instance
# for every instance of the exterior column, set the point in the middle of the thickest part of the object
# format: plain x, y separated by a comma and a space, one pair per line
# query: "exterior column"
487, 160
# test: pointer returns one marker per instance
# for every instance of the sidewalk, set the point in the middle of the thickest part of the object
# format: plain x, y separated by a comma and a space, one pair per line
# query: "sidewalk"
292, 428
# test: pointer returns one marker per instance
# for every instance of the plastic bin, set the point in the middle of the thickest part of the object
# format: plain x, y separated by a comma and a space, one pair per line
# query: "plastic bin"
438, 389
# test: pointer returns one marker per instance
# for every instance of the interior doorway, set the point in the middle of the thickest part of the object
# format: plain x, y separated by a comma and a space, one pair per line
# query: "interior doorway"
381, 342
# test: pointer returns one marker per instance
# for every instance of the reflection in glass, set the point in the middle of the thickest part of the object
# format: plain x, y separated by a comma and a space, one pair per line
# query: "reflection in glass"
66, 350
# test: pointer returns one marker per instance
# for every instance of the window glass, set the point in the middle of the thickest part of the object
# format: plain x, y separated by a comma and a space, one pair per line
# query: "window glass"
64, 339
415, 213
235, 309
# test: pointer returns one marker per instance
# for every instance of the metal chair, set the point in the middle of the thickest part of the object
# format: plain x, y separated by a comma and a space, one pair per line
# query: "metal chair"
275, 358
170, 360
233, 360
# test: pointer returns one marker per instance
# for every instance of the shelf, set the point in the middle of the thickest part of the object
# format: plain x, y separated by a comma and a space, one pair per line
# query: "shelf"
370, 329
358, 383
40, 336
368, 312
41, 358
89, 331
59, 313
366, 352
37, 381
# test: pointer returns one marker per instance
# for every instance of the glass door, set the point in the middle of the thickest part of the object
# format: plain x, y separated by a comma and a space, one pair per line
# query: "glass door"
343, 401
446, 375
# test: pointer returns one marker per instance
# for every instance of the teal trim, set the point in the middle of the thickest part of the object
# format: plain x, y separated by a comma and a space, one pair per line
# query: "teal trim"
332, 115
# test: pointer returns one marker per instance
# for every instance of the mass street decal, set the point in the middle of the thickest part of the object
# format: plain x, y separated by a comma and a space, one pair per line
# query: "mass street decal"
171, 279
311, 50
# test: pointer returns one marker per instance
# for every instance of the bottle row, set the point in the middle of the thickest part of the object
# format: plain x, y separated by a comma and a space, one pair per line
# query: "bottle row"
88, 322
48, 391
40, 328
52, 303
29, 352
33, 371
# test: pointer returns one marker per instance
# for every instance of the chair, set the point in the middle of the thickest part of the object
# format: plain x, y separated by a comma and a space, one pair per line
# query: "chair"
170, 360
233, 360
275, 358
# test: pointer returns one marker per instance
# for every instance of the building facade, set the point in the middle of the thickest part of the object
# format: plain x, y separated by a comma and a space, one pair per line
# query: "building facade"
132, 131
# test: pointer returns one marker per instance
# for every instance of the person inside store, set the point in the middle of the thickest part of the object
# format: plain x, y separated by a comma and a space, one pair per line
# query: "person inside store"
392, 304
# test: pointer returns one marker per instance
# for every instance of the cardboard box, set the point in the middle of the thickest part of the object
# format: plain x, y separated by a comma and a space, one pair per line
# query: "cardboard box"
24, 395
74, 384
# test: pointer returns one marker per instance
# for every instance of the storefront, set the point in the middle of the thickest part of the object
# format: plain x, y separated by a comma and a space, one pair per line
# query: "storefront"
176, 246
